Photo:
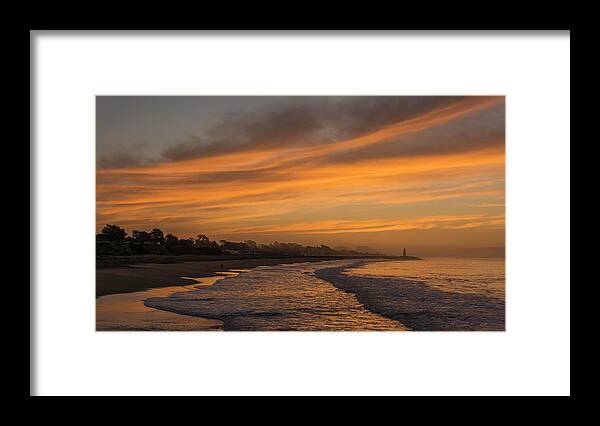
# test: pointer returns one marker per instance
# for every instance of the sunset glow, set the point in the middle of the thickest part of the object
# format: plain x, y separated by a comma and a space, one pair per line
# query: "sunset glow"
429, 177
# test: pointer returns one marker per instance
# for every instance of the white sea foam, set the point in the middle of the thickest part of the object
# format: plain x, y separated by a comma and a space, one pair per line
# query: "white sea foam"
439, 294
283, 297
436, 294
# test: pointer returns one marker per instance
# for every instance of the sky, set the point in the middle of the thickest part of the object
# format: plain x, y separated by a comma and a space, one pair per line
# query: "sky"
425, 173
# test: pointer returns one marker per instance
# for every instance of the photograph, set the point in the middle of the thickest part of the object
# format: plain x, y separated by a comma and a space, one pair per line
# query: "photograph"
300, 213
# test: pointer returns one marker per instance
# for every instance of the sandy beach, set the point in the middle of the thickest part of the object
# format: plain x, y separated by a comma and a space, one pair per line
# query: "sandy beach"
121, 291
142, 276
126, 311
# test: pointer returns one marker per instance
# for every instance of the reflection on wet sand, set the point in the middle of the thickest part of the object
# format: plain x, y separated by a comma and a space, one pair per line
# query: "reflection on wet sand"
127, 311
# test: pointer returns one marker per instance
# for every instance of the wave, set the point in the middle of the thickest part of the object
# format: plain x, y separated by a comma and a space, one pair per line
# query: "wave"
284, 297
417, 305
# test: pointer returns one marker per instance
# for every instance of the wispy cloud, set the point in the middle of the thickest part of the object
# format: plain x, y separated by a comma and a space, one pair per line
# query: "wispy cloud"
343, 168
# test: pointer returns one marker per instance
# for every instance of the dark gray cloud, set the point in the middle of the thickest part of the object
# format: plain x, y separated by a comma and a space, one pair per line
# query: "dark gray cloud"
290, 126
353, 116
304, 121
478, 131
119, 159
126, 155
241, 123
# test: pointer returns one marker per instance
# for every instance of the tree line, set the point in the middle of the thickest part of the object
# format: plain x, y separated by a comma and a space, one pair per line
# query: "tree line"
114, 240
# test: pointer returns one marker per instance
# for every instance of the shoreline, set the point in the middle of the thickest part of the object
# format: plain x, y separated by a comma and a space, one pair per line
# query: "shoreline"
116, 261
257, 314
143, 276
416, 305
128, 312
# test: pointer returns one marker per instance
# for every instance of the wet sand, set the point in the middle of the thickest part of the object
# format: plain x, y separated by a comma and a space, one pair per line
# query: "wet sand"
142, 276
121, 291
126, 311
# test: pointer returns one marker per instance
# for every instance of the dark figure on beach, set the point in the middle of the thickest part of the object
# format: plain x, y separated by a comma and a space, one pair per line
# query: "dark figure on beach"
221, 268
404, 253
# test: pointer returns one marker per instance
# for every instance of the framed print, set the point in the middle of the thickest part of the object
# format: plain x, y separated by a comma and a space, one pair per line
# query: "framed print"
294, 213
300, 213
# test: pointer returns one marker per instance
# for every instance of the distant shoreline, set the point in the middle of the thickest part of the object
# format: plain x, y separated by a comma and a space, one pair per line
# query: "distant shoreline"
112, 261
147, 272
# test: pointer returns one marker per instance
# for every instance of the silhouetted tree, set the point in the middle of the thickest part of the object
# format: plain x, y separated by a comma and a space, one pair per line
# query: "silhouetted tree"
141, 236
157, 236
171, 241
186, 243
235, 247
113, 240
252, 246
202, 241
113, 233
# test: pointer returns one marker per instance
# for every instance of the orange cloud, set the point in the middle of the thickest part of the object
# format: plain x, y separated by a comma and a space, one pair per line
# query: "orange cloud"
274, 190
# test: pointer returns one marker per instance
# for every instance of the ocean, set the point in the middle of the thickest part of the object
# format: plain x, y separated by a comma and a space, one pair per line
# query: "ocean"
423, 295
